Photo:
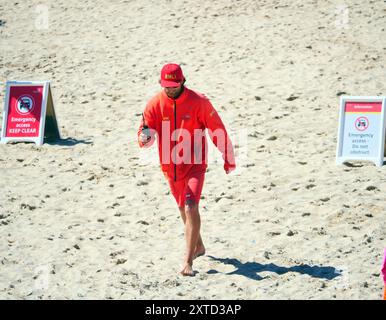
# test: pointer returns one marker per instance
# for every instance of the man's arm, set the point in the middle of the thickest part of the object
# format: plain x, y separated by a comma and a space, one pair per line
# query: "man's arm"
219, 135
149, 120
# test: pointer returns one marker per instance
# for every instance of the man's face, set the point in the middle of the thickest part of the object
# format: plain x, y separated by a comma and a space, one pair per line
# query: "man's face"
173, 92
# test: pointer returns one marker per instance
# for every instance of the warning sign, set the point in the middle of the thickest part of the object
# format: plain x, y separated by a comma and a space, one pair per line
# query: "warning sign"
28, 113
361, 134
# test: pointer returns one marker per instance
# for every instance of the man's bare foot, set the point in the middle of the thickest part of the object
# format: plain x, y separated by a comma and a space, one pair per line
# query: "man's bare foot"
200, 251
187, 270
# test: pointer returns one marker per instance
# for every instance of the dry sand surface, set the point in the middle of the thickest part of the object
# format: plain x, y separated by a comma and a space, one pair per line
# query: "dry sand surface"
91, 216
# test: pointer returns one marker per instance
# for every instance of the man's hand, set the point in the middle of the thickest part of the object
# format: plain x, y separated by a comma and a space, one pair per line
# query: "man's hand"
229, 167
144, 138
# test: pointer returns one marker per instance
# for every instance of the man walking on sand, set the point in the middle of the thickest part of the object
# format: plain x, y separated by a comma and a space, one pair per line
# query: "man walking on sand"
178, 117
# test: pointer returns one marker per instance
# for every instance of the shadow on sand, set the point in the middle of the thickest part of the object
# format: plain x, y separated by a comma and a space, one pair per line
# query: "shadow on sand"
251, 269
67, 142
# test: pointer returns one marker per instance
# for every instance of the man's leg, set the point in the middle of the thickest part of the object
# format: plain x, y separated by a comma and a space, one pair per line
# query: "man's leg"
200, 248
192, 233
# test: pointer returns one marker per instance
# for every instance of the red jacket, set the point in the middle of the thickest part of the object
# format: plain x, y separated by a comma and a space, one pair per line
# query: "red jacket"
186, 150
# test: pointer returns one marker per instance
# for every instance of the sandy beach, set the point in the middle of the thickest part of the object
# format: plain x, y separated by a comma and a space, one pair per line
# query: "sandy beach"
91, 216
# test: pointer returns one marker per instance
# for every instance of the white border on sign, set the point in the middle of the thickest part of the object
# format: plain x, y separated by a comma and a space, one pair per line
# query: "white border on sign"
378, 160
43, 112
37, 140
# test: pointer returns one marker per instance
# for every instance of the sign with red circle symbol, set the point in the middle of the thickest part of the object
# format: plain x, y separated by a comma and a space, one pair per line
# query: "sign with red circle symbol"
29, 113
25, 104
357, 139
361, 123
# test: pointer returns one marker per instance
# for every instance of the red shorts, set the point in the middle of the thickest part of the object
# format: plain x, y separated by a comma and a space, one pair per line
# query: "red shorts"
188, 189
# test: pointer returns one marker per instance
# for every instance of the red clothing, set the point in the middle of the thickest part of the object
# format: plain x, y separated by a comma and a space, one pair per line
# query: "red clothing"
189, 188
186, 150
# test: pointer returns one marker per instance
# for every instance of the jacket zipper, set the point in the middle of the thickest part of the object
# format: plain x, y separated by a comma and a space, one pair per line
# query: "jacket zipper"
175, 142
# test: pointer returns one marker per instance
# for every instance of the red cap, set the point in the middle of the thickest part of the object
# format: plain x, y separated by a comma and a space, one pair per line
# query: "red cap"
171, 75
